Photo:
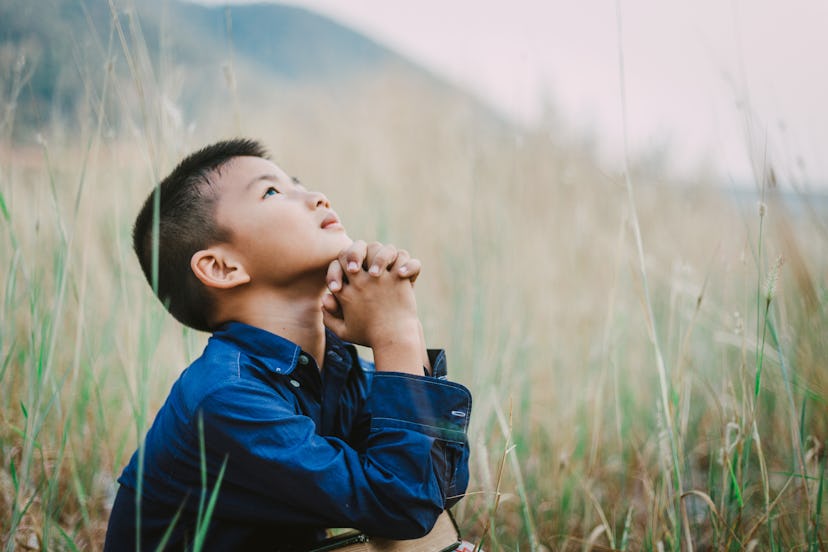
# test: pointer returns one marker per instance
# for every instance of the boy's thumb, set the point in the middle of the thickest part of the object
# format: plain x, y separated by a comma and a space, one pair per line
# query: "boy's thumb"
333, 323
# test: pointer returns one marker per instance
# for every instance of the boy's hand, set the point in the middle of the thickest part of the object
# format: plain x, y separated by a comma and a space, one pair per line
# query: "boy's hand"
375, 258
377, 310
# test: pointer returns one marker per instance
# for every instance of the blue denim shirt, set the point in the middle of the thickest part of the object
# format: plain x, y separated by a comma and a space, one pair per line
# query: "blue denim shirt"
303, 449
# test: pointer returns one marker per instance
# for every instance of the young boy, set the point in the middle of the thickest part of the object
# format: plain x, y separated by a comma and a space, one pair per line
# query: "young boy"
296, 432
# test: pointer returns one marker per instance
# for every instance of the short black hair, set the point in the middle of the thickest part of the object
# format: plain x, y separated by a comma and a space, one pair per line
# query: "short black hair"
178, 219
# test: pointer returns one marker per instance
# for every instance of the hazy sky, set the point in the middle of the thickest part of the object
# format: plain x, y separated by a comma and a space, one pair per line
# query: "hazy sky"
722, 81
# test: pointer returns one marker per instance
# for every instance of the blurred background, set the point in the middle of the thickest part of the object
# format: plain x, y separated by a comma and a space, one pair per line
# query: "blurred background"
621, 208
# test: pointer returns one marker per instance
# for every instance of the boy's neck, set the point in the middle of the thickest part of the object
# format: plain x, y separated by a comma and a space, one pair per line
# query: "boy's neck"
297, 318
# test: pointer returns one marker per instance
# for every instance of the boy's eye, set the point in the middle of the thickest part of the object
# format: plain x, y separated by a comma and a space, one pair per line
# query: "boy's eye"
270, 192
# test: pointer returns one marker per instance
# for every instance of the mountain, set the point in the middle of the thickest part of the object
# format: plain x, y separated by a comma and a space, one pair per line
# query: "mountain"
41, 47
289, 41
55, 53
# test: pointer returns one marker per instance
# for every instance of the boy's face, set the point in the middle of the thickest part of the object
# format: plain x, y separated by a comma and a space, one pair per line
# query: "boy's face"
281, 231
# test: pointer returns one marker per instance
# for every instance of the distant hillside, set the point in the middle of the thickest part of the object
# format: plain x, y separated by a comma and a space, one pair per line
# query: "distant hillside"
42, 48
288, 41
52, 50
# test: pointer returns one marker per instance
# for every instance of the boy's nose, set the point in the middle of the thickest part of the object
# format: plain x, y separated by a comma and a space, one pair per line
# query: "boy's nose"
317, 199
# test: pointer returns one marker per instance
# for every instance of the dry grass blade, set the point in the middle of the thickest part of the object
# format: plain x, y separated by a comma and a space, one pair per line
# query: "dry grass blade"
593, 537
765, 515
607, 528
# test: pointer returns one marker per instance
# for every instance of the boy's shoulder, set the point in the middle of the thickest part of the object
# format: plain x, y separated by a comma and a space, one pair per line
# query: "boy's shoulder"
242, 357
229, 360
218, 365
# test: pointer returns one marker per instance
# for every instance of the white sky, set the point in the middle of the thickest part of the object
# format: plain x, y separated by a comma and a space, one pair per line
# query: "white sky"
709, 79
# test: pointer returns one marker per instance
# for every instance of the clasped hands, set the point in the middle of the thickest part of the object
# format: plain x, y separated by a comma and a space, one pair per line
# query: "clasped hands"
371, 300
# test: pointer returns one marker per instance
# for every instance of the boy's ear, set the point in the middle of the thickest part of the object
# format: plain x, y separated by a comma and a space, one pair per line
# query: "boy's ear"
217, 268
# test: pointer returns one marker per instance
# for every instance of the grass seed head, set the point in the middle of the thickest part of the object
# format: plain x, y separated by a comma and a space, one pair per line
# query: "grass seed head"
773, 276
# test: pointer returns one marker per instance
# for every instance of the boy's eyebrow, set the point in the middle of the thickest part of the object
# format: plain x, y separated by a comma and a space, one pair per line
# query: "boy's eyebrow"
272, 178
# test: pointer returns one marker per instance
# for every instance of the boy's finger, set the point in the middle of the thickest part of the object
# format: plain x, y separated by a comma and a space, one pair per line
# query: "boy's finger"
336, 325
334, 277
410, 269
371, 253
382, 259
402, 257
331, 305
352, 257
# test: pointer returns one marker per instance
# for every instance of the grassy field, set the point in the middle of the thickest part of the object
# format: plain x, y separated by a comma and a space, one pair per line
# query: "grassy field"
648, 357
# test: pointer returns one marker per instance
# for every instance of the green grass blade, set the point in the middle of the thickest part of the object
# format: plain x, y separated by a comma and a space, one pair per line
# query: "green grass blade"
162, 545
13, 472
204, 522
816, 543
70, 542
3, 208
735, 485
625, 536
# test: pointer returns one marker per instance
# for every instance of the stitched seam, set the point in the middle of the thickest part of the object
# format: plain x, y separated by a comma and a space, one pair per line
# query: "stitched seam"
437, 429
456, 386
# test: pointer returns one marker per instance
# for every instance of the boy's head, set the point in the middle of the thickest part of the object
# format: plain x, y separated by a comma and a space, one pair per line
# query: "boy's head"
227, 217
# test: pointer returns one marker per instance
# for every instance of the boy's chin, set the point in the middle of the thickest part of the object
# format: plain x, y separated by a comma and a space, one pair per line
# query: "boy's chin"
346, 242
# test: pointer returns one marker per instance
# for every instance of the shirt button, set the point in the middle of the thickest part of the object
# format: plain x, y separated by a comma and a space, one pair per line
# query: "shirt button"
294, 383
303, 360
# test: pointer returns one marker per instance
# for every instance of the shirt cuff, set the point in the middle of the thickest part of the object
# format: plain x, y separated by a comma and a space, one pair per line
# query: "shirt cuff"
436, 407
437, 359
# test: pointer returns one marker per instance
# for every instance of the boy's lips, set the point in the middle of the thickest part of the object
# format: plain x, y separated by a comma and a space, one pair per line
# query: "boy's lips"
330, 220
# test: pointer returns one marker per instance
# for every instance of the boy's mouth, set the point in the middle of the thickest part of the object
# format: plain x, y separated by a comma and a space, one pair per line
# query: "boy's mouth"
330, 221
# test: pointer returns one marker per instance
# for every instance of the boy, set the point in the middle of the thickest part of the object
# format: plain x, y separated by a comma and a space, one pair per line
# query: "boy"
297, 432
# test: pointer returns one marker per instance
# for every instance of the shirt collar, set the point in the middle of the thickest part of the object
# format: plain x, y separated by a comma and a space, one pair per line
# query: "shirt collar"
276, 353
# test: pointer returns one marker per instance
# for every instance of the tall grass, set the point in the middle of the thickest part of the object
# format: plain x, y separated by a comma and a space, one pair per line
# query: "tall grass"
584, 436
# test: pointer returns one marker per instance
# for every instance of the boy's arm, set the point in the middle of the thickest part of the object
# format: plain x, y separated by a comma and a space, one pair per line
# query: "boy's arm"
412, 463
377, 308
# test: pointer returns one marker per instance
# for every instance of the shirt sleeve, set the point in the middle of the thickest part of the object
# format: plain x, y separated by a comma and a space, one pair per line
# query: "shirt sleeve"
398, 401
413, 465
